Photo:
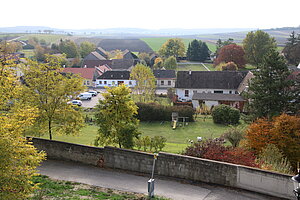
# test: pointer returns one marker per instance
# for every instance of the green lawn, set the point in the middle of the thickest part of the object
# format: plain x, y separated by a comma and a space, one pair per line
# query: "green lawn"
192, 67
55, 189
177, 139
195, 67
155, 43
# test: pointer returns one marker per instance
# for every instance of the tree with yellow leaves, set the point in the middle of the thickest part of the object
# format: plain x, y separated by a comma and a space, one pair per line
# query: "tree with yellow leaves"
18, 158
49, 90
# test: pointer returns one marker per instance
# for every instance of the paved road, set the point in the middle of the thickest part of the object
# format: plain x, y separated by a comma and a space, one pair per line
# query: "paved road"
173, 189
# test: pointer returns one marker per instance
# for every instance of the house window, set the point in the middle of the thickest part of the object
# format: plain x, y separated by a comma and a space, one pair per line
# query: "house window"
236, 92
162, 82
113, 82
169, 82
100, 82
130, 83
105, 82
218, 91
87, 82
186, 93
230, 92
194, 91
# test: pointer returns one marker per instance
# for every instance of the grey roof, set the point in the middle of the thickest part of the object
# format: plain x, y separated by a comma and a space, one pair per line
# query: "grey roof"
94, 56
113, 75
101, 51
129, 55
164, 74
210, 79
217, 97
122, 64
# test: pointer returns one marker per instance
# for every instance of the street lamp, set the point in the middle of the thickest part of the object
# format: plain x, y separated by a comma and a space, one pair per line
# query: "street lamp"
151, 181
296, 180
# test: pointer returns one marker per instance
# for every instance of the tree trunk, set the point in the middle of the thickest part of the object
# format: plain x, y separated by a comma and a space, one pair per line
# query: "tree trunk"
49, 129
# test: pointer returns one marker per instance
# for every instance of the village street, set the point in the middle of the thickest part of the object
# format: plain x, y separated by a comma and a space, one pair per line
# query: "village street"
174, 189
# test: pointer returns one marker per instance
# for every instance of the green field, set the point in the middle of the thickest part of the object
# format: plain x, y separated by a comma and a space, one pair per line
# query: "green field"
177, 139
49, 38
155, 43
194, 67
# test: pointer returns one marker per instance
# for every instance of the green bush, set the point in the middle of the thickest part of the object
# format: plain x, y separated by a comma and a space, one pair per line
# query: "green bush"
224, 114
154, 144
156, 112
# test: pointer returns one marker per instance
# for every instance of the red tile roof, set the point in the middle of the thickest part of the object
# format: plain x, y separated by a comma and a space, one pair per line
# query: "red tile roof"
86, 73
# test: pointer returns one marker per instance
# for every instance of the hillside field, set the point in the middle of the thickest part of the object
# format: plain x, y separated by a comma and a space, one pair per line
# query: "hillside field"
156, 43
49, 38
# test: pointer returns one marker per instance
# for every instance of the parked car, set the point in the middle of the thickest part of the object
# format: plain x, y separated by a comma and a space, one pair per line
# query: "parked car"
94, 93
75, 102
85, 96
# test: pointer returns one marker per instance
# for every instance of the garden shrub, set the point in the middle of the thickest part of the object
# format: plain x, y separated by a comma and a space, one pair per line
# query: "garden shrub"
234, 135
272, 159
224, 114
283, 131
156, 112
155, 144
215, 150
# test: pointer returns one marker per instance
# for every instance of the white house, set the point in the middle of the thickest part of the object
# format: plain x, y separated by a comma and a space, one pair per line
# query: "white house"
165, 78
212, 87
114, 78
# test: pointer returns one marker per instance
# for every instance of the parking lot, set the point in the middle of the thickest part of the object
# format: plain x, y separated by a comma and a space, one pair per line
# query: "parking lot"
91, 103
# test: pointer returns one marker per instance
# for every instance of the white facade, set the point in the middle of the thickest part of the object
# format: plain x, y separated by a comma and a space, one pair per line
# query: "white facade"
187, 94
114, 82
209, 104
165, 83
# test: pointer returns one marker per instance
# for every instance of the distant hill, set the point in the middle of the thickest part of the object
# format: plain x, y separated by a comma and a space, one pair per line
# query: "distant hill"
280, 34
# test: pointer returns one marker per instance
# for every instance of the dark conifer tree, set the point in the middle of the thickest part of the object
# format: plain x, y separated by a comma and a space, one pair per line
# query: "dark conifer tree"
270, 90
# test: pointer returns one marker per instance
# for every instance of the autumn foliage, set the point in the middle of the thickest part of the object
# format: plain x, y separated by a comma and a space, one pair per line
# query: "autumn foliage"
231, 53
283, 131
215, 150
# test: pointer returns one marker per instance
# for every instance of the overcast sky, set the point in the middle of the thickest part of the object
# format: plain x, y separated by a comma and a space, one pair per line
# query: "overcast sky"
150, 14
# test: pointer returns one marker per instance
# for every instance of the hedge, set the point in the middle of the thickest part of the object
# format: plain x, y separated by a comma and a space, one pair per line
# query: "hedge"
224, 114
157, 112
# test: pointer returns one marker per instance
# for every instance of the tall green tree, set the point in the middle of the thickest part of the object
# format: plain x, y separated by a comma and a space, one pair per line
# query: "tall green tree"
86, 47
270, 91
172, 47
18, 158
69, 48
291, 50
204, 52
257, 45
145, 82
197, 51
170, 63
49, 90
115, 118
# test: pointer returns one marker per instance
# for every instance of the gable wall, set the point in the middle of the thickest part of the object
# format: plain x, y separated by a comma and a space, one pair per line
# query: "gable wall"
181, 92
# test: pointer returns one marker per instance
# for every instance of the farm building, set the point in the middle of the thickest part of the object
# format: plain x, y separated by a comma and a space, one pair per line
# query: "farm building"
114, 78
212, 87
88, 74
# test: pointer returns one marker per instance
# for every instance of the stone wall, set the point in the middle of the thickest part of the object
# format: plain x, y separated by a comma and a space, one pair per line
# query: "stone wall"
172, 165
69, 151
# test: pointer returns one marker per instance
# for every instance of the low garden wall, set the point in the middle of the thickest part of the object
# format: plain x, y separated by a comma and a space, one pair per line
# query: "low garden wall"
172, 165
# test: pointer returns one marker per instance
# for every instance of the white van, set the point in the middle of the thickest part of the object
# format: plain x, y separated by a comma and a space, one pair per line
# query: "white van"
85, 96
